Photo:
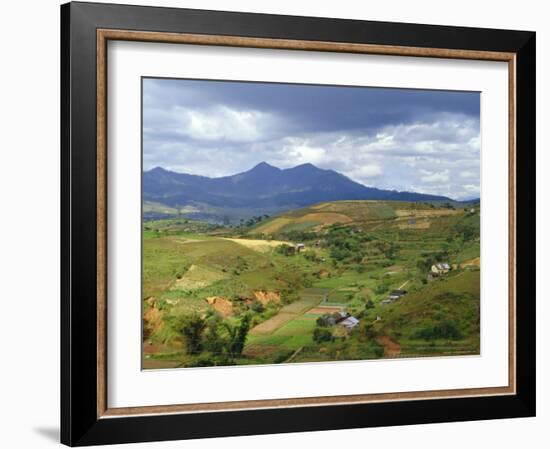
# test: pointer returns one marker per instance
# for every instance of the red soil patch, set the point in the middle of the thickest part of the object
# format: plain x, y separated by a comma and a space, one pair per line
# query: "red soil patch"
152, 317
221, 305
265, 296
391, 347
322, 274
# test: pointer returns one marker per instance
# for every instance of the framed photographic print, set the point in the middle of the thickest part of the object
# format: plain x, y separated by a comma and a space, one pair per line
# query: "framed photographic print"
279, 224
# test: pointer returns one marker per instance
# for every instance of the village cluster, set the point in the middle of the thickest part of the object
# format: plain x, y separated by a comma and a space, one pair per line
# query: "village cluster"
348, 322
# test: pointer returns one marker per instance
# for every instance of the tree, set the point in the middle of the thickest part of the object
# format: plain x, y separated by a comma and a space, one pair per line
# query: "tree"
212, 339
311, 256
369, 304
257, 307
425, 264
321, 334
237, 334
369, 331
285, 250
191, 328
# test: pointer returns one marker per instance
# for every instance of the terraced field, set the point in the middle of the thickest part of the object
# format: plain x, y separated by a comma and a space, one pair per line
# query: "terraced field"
309, 299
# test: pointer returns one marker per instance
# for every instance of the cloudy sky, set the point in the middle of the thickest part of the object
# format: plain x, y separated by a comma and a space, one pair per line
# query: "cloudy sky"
404, 139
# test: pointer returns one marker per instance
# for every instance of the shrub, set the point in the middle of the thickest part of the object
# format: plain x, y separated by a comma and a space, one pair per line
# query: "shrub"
282, 356
321, 334
446, 329
200, 362
191, 328
284, 249
257, 307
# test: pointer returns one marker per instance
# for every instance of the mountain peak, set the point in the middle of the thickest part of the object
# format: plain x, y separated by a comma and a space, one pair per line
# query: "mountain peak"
307, 165
158, 170
264, 166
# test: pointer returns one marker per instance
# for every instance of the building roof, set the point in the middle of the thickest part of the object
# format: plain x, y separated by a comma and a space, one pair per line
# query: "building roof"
398, 292
339, 316
350, 321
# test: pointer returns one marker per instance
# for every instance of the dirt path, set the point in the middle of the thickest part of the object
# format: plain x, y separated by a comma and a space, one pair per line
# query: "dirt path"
294, 354
402, 285
391, 347
262, 246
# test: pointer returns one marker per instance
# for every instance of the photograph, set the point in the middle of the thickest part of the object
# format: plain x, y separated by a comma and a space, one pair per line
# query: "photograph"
292, 223
273, 223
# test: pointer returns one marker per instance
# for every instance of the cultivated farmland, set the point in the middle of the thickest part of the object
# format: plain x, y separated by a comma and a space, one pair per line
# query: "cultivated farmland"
321, 283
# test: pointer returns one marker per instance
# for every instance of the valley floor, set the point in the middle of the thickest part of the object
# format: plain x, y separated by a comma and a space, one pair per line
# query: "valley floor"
307, 287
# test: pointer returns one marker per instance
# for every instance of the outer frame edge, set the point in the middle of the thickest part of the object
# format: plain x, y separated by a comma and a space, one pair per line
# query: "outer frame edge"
118, 430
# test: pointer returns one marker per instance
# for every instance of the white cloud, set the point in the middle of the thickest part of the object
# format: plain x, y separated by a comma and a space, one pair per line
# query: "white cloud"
469, 174
437, 154
222, 123
471, 188
432, 177
300, 151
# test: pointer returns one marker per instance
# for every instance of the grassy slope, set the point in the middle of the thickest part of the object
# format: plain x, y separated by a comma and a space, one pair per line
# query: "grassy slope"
454, 298
169, 252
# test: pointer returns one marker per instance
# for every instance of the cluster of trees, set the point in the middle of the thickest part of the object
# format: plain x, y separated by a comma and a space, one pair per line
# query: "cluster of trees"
222, 340
252, 221
466, 231
346, 244
322, 334
447, 329
311, 256
300, 236
285, 250
447, 205
425, 263
349, 245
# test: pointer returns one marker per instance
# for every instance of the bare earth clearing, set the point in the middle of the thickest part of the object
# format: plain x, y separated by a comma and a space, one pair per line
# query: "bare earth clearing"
391, 347
262, 246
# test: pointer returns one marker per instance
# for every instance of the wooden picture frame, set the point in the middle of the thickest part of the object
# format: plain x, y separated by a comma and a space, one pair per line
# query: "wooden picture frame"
86, 28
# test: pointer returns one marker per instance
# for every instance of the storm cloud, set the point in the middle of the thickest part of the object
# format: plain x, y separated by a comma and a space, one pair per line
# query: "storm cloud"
418, 140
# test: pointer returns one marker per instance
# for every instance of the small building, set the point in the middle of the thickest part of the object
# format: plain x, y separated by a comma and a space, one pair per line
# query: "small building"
339, 316
349, 323
440, 268
299, 247
396, 294
331, 319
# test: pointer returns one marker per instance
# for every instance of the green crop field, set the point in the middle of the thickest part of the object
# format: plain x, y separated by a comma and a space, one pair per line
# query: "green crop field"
242, 294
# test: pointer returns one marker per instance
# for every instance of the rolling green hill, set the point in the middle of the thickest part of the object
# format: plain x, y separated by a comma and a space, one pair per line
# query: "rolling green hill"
398, 214
354, 254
